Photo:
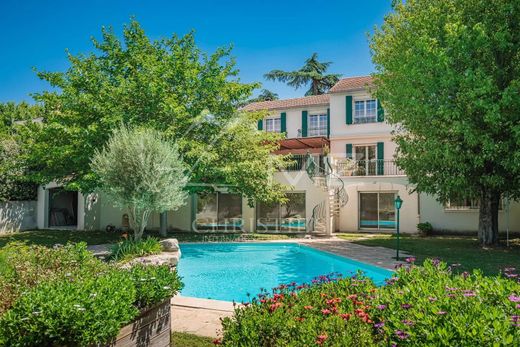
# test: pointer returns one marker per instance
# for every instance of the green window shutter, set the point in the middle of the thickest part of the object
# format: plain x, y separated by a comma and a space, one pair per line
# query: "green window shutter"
304, 123
260, 124
328, 122
283, 122
380, 158
349, 151
380, 112
348, 108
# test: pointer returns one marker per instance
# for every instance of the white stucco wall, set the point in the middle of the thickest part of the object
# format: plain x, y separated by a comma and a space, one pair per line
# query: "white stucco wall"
17, 215
349, 215
466, 220
294, 117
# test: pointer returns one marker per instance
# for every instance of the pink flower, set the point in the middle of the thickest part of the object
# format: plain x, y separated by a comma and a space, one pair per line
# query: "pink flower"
441, 312
514, 298
406, 306
381, 307
401, 334
308, 307
410, 260
326, 311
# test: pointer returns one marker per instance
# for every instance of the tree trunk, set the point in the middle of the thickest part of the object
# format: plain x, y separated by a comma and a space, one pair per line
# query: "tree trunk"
163, 224
488, 218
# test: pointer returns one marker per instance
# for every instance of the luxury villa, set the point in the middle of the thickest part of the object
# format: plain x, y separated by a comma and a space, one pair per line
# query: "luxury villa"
344, 179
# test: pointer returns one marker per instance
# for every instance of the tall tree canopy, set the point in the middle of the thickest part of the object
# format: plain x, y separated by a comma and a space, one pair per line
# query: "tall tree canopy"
312, 72
448, 72
168, 85
13, 180
265, 95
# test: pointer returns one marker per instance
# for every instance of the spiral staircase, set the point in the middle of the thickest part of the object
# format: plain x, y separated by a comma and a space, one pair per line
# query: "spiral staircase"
324, 213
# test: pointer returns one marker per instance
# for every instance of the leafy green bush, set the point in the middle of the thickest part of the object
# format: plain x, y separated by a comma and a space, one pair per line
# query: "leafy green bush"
23, 267
427, 305
129, 249
154, 283
83, 302
64, 312
425, 228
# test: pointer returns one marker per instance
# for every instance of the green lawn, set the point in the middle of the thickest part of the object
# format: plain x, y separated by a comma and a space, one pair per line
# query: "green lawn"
189, 340
52, 237
454, 250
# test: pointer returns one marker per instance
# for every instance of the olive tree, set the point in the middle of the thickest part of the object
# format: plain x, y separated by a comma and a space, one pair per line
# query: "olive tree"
142, 173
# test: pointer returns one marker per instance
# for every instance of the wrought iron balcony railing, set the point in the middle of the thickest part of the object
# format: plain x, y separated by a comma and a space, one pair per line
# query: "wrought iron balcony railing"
375, 167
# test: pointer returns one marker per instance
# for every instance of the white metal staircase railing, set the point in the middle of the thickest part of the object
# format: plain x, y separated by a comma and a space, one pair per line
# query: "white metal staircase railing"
325, 177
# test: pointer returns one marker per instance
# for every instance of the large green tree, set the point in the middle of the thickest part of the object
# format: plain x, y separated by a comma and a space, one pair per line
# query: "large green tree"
168, 85
448, 73
313, 72
13, 179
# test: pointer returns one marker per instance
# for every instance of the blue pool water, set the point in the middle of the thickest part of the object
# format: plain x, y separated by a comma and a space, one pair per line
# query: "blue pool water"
228, 271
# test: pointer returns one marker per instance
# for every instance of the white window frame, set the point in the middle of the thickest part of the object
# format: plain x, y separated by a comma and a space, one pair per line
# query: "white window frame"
321, 130
395, 193
273, 124
470, 205
364, 119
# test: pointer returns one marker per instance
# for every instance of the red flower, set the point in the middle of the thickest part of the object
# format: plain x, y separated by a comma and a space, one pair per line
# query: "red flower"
321, 339
345, 316
217, 342
308, 307
352, 297
274, 306
326, 311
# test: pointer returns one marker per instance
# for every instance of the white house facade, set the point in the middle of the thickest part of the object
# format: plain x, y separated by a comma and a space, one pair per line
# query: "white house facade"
344, 179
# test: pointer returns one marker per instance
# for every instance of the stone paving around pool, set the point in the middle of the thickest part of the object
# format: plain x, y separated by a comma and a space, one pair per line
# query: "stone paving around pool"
202, 316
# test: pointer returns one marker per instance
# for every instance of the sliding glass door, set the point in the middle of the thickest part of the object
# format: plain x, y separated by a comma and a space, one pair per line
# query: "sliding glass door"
376, 211
219, 211
284, 217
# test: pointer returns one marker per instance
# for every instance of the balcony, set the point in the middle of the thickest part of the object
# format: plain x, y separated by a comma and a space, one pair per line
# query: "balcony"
299, 162
375, 167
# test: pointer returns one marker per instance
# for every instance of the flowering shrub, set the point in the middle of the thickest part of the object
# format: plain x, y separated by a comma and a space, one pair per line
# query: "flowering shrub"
65, 296
420, 305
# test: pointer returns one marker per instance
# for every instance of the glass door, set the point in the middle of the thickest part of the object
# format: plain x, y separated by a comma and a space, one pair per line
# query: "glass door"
368, 211
365, 157
377, 211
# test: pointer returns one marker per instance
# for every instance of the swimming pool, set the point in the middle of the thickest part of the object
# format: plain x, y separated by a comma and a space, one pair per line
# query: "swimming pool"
229, 271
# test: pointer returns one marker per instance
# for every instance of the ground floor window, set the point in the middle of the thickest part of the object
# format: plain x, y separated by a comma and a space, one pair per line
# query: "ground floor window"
284, 217
218, 211
466, 204
376, 210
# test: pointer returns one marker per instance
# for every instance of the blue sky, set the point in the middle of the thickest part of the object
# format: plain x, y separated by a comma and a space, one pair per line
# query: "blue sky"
266, 35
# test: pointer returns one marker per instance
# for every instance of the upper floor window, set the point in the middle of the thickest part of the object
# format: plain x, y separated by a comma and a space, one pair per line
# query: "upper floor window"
365, 111
318, 125
273, 125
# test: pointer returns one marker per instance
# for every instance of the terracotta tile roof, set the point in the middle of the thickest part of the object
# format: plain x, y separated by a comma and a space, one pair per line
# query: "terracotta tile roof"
314, 100
351, 83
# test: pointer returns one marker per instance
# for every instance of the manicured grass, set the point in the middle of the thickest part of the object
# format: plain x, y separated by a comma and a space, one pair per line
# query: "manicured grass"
52, 237
95, 237
454, 250
189, 340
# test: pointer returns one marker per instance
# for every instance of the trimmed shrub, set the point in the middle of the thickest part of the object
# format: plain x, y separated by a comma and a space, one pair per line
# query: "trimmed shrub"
425, 228
129, 249
67, 297
427, 305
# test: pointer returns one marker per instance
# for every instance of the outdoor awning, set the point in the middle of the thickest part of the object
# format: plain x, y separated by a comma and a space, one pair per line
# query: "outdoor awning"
304, 145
